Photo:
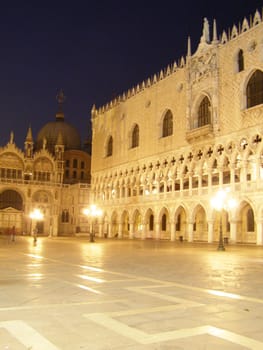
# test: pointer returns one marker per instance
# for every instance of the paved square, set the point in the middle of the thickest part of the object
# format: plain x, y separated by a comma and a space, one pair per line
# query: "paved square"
68, 293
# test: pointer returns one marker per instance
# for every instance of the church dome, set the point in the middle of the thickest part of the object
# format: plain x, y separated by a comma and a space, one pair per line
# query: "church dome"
50, 132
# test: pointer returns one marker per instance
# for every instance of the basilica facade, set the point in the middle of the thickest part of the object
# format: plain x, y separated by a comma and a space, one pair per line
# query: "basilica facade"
163, 149
51, 174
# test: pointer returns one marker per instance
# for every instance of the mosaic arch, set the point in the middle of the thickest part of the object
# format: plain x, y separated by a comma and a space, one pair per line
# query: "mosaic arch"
11, 211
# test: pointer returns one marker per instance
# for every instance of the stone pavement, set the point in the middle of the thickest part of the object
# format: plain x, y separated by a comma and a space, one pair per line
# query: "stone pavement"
69, 294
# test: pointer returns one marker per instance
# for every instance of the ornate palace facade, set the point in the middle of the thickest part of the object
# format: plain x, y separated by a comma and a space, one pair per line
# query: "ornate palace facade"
162, 149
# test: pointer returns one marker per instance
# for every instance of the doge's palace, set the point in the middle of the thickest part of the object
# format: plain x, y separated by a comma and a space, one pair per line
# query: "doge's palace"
162, 149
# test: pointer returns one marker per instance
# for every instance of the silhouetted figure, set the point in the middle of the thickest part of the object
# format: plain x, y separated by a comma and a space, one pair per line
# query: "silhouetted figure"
13, 233
35, 236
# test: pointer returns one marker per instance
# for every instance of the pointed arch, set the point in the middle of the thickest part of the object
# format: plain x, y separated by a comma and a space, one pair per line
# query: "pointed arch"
180, 220
135, 136
109, 146
246, 223
200, 223
150, 223
240, 61
254, 89
204, 112
167, 129
164, 221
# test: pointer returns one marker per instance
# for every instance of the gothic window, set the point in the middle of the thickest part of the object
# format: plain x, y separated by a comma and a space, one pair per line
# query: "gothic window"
240, 60
168, 124
255, 89
82, 165
67, 163
204, 112
135, 136
109, 147
250, 220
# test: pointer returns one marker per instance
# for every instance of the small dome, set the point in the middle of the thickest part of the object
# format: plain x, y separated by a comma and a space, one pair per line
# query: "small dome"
50, 132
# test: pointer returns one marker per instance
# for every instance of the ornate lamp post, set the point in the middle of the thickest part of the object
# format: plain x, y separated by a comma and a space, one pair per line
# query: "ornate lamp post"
35, 215
92, 212
222, 201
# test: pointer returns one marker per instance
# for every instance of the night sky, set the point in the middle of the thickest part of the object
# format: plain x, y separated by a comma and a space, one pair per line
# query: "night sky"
94, 52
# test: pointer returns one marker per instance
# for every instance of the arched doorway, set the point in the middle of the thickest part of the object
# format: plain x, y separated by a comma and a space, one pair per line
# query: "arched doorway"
164, 220
246, 229
11, 211
149, 220
200, 225
180, 224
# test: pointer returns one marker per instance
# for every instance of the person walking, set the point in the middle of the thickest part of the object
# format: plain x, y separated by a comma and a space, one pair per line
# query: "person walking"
13, 233
35, 236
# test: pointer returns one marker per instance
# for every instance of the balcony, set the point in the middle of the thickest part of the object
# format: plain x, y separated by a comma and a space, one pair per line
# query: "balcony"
199, 134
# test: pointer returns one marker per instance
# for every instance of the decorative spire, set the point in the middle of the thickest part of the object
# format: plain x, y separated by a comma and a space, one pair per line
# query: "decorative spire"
29, 136
205, 38
11, 140
29, 144
61, 99
189, 47
215, 39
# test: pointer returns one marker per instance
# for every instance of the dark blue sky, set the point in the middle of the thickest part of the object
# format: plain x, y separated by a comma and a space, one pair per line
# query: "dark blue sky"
93, 51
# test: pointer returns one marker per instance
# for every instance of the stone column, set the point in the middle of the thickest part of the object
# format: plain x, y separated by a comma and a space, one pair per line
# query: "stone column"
120, 230
100, 229
110, 230
220, 173
131, 231
210, 231
209, 179
190, 178
260, 232
143, 231
232, 178
190, 232
200, 187
233, 231
157, 229
173, 232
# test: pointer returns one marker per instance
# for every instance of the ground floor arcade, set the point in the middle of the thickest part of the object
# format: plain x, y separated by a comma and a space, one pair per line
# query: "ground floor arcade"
191, 221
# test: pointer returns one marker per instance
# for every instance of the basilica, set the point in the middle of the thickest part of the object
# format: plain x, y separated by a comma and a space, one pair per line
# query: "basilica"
162, 150
51, 175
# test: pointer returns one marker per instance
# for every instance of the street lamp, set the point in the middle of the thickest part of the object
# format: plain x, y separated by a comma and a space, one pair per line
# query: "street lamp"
36, 215
222, 200
92, 212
